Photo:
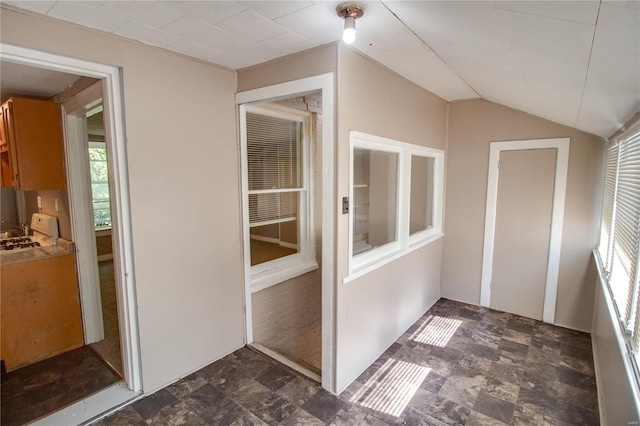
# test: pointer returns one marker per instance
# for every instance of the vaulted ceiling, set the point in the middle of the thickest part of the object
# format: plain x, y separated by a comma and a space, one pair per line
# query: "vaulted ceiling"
572, 62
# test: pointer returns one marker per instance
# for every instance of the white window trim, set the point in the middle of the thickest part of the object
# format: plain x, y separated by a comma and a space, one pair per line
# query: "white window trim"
437, 206
363, 263
273, 272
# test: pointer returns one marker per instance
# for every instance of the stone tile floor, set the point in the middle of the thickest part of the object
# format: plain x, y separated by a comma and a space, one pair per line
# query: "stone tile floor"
44, 387
458, 365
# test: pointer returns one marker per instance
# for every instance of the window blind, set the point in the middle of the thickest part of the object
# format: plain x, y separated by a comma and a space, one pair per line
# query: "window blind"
273, 169
607, 205
620, 231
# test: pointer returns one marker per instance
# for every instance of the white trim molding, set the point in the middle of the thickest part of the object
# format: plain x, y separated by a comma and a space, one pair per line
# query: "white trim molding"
557, 218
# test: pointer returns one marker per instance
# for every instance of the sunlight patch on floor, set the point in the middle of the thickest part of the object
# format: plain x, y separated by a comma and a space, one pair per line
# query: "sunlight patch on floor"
391, 388
436, 331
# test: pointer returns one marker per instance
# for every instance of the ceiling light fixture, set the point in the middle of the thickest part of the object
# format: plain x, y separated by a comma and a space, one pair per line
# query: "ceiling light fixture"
349, 12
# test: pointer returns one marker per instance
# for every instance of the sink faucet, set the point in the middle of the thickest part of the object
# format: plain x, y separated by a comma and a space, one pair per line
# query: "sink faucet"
24, 227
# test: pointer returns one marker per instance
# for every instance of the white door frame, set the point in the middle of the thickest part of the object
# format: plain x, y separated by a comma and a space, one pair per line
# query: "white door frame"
79, 187
121, 210
325, 83
557, 218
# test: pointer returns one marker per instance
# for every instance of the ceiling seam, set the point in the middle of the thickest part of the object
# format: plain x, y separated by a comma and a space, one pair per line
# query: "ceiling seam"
543, 16
586, 74
432, 50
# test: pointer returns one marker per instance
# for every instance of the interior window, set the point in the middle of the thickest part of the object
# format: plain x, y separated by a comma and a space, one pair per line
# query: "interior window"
274, 178
395, 199
421, 202
375, 177
278, 205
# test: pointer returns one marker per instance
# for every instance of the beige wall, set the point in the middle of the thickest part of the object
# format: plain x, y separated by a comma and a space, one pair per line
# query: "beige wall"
189, 293
473, 125
318, 61
615, 390
375, 309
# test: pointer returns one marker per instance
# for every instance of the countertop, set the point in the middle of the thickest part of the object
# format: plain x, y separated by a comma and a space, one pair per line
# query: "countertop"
36, 253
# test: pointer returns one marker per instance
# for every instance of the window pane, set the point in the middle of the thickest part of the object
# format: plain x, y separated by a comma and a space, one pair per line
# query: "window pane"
100, 191
276, 206
273, 241
421, 203
273, 152
99, 171
97, 154
375, 179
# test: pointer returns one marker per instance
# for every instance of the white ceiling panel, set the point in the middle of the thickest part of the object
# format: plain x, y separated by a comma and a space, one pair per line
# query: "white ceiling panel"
545, 33
41, 7
83, 14
192, 29
246, 50
553, 103
147, 34
446, 15
613, 85
618, 29
275, 9
287, 43
573, 62
252, 26
631, 4
583, 11
313, 23
540, 65
151, 13
196, 50
211, 12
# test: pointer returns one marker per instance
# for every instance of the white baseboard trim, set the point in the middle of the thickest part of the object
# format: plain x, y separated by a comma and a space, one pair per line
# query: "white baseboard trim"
288, 245
265, 239
598, 373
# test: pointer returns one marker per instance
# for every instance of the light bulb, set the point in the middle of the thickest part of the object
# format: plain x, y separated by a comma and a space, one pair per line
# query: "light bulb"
349, 33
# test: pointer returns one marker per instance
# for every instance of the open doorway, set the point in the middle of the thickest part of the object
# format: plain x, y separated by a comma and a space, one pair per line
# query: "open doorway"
88, 150
287, 161
283, 144
75, 369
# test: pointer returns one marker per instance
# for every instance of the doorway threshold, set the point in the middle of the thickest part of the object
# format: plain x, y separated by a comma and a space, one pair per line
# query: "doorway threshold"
92, 408
282, 360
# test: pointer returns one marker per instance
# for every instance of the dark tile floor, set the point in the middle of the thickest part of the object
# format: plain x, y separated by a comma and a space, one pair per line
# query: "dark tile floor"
47, 386
458, 364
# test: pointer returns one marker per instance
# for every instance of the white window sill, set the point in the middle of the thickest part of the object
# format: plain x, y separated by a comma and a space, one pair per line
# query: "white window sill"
374, 264
629, 360
271, 277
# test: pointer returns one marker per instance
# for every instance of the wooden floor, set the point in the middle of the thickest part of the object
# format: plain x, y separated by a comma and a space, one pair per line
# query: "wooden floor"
262, 251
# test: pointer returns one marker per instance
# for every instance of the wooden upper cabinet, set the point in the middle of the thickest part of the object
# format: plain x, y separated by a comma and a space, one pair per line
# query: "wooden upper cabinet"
31, 150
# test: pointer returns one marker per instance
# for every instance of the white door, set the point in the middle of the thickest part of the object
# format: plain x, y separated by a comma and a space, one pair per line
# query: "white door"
522, 231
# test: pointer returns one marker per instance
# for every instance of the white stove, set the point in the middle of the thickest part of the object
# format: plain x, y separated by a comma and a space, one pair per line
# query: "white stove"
45, 233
